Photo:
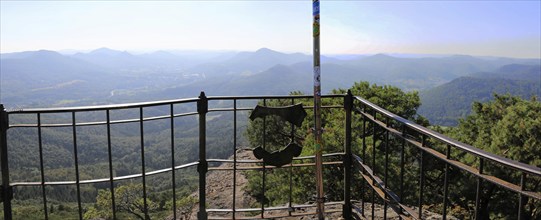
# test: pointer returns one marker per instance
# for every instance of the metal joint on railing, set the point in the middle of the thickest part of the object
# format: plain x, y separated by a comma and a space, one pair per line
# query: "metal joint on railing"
6, 193
348, 101
202, 103
4, 119
203, 167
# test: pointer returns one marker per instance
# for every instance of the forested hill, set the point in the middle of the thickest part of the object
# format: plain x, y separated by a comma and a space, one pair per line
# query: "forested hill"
105, 76
444, 104
514, 72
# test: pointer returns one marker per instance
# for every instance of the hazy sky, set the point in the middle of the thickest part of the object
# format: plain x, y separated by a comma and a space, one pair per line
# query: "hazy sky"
493, 28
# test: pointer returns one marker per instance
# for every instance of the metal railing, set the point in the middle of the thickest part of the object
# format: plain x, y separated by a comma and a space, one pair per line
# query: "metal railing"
378, 126
426, 142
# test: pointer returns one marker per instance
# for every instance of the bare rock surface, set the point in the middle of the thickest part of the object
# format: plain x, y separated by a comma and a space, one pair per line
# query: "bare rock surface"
219, 189
219, 195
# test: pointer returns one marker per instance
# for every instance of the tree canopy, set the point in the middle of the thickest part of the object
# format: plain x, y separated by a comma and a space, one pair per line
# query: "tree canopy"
278, 134
128, 198
511, 127
508, 126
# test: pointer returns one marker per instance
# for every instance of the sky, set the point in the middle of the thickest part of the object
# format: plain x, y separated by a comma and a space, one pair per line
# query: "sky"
480, 28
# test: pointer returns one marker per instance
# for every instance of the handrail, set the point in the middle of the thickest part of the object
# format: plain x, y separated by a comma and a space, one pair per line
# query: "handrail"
102, 180
81, 124
101, 107
156, 103
272, 97
465, 147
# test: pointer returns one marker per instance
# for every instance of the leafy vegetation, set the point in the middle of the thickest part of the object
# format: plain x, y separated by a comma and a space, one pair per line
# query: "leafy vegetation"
508, 126
277, 136
511, 127
445, 104
129, 198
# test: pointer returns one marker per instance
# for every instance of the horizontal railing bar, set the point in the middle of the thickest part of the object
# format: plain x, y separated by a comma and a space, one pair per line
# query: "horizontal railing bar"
102, 107
249, 109
81, 124
260, 161
232, 161
274, 167
271, 97
46, 183
328, 211
133, 176
324, 155
275, 207
156, 103
103, 179
42, 125
465, 147
229, 109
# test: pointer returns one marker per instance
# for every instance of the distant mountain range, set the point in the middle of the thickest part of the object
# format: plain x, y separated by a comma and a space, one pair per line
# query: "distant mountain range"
48, 78
446, 103
32, 77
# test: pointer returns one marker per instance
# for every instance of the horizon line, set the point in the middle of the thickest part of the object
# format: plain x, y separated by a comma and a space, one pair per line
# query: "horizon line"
149, 51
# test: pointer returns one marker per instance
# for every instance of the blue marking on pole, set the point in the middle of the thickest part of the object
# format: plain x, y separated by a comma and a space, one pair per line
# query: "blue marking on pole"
315, 6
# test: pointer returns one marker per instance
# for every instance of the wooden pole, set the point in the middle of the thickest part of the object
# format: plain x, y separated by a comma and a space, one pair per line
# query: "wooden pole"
317, 113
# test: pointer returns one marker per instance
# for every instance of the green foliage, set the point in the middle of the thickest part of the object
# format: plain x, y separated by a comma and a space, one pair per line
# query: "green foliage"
278, 135
445, 104
511, 127
392, 98
184, 206
128, 198
508, 126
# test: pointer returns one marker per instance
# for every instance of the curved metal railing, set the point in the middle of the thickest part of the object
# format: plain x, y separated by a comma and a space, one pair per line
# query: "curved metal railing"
381, 122
417, 136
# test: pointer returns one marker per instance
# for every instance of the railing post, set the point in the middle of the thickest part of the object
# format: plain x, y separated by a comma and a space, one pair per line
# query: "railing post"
202, 167
7, 193
348, 106
478, 191
521, 199
422, 177
446, 183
